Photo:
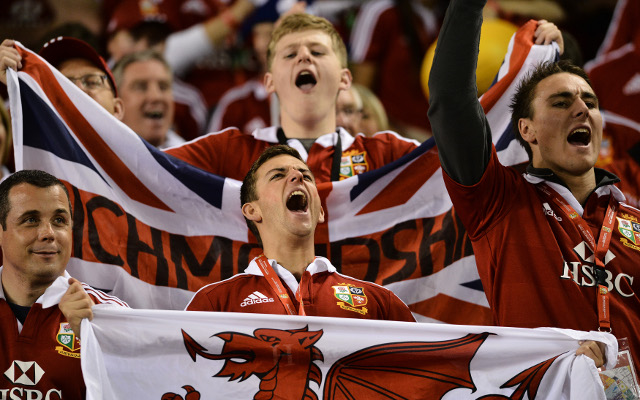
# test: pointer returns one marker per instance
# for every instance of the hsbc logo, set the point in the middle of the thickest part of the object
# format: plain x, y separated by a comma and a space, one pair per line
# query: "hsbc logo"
584, 274
26, 373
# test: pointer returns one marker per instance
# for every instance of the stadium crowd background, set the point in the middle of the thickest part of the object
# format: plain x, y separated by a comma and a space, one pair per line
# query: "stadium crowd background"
387, 41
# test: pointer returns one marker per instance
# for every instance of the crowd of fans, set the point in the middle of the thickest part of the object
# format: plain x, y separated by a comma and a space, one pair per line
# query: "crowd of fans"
174, 70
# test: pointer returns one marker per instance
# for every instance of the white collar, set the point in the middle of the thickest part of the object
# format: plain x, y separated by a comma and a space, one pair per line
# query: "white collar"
319, 264
570, 198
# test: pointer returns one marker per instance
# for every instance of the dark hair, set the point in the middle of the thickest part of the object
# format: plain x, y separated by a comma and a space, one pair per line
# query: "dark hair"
525, 93
248, 188
33, 177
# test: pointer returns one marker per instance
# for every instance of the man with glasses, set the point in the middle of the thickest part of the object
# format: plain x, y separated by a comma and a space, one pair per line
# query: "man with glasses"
81, 64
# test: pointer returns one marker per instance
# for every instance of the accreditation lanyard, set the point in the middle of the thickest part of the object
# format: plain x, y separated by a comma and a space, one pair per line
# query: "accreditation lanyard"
600, 248
278, 287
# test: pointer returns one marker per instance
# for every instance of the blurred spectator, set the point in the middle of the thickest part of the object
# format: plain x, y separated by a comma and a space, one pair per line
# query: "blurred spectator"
248, 106
388, 43
80, 63
374, 117
144, 82
615, 77
6, 141
623, 28
140, 25
29, 20
615, 73
349, 110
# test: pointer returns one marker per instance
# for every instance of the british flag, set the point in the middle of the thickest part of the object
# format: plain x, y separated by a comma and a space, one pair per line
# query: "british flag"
152, 230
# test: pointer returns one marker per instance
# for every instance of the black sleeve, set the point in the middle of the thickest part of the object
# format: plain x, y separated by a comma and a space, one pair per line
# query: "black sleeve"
458, 122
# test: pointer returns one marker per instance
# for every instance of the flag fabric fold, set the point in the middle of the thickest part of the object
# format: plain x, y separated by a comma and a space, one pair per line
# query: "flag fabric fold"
152, 229
158, 354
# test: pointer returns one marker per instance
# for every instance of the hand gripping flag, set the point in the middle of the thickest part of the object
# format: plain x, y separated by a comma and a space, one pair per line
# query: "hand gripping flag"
152, 229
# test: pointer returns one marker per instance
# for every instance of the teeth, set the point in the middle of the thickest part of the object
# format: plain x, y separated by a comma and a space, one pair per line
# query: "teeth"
297, 201
154, 114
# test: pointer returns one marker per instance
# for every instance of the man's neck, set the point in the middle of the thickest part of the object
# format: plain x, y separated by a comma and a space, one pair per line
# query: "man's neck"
20, 291
307, 129
294, 257
580, 186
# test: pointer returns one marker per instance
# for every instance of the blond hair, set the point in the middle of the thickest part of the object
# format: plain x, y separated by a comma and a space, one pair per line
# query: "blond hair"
306, 22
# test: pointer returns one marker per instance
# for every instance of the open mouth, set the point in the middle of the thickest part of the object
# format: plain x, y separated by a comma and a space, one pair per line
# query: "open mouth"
154, 114
306, 80
580, 137
297, 201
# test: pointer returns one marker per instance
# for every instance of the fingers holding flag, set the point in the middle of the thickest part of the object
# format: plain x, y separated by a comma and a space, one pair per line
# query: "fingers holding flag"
9, 58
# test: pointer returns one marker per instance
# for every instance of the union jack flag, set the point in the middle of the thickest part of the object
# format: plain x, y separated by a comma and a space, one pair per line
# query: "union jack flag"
152, 229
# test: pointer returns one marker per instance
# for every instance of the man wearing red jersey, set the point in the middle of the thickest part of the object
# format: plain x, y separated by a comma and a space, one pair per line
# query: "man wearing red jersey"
307, 67
40, 304
556, 245
282, 207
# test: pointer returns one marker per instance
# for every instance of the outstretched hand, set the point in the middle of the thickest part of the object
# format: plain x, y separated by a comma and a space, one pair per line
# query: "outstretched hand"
9, 58
76, 305
548, 32
594, 350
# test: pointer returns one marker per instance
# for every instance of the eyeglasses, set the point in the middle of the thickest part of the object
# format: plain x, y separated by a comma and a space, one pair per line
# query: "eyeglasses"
91, 81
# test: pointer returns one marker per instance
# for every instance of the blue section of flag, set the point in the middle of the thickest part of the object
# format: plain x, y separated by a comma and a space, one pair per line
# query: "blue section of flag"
506, 138
204, 184
476, 285
44, 130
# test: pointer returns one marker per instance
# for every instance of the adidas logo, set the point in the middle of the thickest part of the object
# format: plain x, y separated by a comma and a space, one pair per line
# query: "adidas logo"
256, 298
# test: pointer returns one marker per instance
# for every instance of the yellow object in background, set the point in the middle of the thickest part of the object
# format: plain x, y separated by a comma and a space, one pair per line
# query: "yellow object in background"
494, 42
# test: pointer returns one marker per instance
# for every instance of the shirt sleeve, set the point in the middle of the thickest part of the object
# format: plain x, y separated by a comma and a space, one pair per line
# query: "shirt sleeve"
398, 310
460, 127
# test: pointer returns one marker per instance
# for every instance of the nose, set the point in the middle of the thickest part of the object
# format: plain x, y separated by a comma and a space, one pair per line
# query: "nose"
45, 232
295, 175
581, 108
304, 55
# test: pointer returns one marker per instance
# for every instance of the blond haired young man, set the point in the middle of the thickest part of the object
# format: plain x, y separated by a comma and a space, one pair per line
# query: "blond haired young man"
307, 67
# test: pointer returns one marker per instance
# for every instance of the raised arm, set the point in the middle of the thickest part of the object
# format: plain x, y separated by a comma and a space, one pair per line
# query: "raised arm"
459, 124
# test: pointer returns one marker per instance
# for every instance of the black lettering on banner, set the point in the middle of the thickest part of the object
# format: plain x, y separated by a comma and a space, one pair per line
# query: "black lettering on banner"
135, 246
374, 255
94, 239
78, 223
446, 234
391, 252
244, 254
221, 249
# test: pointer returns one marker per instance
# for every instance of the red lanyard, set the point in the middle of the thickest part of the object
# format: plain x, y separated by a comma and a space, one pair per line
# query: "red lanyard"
278, 287
599, 248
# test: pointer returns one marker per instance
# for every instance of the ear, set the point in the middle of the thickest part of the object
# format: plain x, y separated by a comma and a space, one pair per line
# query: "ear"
118, 108
345, 79
527, 131
321, 216
251, 212
268, 83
